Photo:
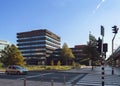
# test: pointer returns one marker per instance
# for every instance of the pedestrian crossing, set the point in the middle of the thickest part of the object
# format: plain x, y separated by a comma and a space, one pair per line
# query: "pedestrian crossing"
95, 80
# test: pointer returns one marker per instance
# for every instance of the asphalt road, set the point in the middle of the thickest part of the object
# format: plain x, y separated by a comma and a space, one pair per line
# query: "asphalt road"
47, 76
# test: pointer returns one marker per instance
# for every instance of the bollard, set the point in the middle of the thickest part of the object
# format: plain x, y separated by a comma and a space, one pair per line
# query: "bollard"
25, 81
52, 84
64, 80
41, 80
112, 70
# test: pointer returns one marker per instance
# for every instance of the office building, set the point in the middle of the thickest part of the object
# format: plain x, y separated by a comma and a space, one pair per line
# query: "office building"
77, 51
37, 45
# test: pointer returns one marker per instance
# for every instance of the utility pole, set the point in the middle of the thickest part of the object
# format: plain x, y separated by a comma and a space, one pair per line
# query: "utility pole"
102, 63
115, 31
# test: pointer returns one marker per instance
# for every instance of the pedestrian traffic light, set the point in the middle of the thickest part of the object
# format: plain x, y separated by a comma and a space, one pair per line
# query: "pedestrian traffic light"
99, 45
115, 29
105, 47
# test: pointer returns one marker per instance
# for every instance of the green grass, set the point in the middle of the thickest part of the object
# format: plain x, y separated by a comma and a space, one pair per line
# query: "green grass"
38, 68
34, 67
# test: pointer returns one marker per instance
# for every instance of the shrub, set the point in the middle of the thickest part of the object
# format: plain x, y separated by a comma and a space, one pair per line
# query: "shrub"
73, 64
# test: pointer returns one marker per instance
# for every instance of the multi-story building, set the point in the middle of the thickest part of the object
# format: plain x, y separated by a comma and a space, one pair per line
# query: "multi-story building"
37, 45
55, 56
77, 52
3, 44
114, 58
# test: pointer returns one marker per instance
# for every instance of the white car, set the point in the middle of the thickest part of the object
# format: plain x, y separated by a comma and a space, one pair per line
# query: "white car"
15, 69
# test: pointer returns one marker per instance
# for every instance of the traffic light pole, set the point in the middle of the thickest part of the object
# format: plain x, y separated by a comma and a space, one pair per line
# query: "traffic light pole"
113, 43
115, 31
102, 63
112, 54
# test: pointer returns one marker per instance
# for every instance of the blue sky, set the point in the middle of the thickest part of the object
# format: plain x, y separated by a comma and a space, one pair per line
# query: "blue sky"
72, 20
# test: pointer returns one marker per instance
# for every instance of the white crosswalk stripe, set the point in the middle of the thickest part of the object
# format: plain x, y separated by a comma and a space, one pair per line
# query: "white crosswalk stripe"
95, 80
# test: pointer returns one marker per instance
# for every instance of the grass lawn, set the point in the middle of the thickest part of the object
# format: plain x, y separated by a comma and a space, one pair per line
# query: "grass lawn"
34, 67
38, 68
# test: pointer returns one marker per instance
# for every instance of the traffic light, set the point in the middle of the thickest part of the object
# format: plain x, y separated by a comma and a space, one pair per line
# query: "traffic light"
115, 29
105, 47
102, 30
99, 45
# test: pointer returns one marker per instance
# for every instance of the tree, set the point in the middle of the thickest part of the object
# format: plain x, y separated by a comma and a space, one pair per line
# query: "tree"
91, 50
67, 54
11, 56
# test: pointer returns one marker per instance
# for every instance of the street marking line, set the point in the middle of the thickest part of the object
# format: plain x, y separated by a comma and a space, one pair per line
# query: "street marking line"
96, 84
72, 80
93, 84
34, 76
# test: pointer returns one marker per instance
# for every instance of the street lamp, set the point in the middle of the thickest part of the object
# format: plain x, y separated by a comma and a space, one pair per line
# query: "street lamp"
115, 31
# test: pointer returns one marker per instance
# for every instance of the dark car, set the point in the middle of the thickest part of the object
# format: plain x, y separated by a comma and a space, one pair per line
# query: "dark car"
15, 69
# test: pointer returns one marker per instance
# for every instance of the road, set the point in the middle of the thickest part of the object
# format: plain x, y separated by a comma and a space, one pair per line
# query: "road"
60, 77
78, 77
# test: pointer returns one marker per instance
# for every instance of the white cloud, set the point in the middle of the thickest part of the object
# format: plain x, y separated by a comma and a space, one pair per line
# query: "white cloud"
98, 6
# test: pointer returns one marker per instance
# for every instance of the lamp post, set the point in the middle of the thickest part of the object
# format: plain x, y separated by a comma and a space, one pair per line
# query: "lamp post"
115, 31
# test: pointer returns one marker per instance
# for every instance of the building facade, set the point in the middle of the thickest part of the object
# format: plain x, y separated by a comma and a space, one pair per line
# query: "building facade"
3, 44
114, 58
77, 52
37, 45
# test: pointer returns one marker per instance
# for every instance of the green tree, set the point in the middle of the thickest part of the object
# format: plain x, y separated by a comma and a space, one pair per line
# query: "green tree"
67, 54
11, 56
91, 50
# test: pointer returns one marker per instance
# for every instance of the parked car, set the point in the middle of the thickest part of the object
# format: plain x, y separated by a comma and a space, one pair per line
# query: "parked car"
15, 69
